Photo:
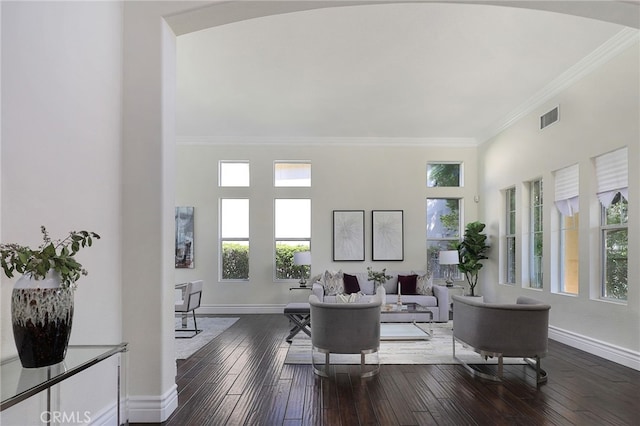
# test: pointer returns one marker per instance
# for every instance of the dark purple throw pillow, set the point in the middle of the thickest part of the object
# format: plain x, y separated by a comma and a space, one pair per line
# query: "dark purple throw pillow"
408, 284
351, 284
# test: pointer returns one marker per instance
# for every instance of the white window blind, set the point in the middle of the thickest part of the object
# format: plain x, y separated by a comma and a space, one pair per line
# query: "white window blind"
567, 189
612, 175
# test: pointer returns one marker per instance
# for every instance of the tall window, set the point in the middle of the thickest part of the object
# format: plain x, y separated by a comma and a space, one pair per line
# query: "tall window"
613, 192
510, 237
443, 231
292, 232
234, 238
567, 203
535, 234
444, 174
615, 244
292, 174
234, 173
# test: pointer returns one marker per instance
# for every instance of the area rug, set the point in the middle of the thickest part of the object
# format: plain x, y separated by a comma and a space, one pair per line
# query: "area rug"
437, 350
210, 326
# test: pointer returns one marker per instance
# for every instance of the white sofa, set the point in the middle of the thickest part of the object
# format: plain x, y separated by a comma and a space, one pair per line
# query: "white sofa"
436, 300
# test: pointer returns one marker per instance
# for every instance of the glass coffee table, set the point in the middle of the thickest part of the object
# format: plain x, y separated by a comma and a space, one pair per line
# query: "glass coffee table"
413, 328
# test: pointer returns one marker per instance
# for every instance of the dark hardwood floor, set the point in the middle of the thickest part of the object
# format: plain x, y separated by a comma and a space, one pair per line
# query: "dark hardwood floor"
240, 379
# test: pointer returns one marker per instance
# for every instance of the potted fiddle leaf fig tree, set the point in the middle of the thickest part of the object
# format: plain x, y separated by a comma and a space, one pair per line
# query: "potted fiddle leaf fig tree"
471, 251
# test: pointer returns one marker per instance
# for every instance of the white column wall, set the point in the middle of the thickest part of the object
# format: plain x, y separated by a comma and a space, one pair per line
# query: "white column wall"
148, 200
597, 114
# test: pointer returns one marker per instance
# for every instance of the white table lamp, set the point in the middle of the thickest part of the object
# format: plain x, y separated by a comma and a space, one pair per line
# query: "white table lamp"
302, 258
448, 258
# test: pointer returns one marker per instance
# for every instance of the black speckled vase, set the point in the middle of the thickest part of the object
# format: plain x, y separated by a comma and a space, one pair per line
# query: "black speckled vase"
42, 314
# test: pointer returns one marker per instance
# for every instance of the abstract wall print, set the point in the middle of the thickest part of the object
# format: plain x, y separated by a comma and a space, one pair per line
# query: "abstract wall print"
348, 235
184, 237
387, 235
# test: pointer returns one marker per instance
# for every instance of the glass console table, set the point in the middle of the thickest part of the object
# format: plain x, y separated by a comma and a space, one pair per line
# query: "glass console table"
20, 383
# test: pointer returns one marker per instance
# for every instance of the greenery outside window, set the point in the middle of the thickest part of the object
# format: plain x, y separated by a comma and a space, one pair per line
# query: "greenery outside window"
292, 234
614, 249
444, 174
535, 235
510, 237
443, 231
234, 239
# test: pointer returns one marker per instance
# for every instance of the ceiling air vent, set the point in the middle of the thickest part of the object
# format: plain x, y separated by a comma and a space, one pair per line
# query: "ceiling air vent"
549, 118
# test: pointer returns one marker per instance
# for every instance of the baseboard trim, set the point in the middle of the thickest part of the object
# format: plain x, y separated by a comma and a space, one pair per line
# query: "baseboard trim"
605, 350
151, 408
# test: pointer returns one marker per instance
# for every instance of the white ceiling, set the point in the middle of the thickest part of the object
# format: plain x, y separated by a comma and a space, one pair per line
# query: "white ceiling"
415, 72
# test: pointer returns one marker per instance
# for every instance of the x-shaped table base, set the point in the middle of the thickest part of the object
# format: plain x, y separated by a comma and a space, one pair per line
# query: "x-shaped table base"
301, 319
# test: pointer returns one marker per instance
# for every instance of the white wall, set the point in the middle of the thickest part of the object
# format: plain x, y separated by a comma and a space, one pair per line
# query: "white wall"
61, 157
598, 114
348, 177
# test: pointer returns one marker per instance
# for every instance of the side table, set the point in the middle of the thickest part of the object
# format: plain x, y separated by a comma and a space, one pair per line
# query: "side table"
299, 294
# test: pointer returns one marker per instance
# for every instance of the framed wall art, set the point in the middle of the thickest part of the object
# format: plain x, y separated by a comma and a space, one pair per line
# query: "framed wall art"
387, 235
348, 235
184, 237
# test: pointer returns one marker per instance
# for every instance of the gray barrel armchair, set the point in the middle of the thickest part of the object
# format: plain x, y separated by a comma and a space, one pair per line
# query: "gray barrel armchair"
345, 328
518, 329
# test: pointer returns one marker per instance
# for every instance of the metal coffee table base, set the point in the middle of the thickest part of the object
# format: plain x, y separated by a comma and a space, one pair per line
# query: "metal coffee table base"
403, 331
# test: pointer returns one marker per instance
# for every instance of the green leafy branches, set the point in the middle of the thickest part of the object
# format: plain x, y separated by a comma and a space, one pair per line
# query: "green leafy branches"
51, 254
378, 277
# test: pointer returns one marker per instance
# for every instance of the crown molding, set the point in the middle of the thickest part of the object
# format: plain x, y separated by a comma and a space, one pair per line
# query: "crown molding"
328, 141
603, 54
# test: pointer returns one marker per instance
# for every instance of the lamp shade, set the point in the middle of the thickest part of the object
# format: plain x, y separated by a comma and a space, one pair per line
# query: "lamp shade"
448, 257
302, 258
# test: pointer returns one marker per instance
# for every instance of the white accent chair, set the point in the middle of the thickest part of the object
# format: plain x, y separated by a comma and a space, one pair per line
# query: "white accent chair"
345, 328
191, 296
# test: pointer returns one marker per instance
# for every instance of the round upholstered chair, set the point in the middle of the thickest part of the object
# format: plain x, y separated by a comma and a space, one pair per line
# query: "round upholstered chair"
346, 328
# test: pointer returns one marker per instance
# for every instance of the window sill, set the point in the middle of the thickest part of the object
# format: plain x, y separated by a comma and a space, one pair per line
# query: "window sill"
610, 301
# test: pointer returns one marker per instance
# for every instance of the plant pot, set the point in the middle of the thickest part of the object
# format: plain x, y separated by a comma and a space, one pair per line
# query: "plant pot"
384, 294
41, 314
